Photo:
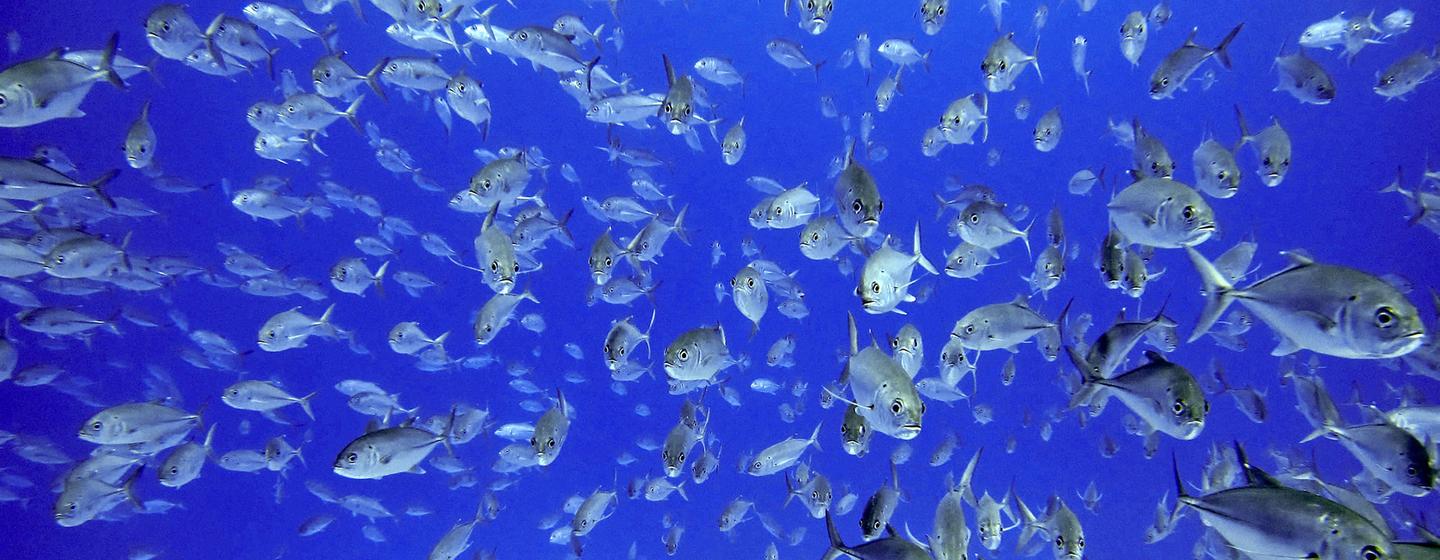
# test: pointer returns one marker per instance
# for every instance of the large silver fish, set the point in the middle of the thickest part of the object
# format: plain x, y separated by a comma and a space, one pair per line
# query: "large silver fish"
1329, 309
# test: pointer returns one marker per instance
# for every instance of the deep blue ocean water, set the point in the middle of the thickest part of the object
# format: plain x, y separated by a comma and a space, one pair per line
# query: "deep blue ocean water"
1329, 205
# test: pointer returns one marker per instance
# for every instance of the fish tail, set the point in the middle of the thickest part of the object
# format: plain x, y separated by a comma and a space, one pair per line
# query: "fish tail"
328, 37
1222, 50
790, 491
1028, 524
1394, 186
1218, 293
129, 487
380, 278
349, 114
210, 438
372, 78
152, 68
1035, 60
967, 493
358, 12
920, 256
304, 403
815, 437
1317, 407
817, 70
98, 186
107, 62
985, 112
1180, 494
679, 225
836, 545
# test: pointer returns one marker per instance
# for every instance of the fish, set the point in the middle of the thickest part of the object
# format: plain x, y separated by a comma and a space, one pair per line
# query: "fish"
497, 313
885, 279
1077, 60
1328, 309
1004, 62
858, 199
999, 325
1164, 395
140, 141
791, 55
1134, 33
1162, 213
551, 431
1390, 454
1061, 522
814, 14
387, 452
698, 354
1304, 79
1406, 74
963, 117
879, 509
48, 88
933, 16
882, 391
263, 396
1272, 147
732, 147
1180, 64
1216, 172
1264, 518
1047, 131
751, 296
783, 454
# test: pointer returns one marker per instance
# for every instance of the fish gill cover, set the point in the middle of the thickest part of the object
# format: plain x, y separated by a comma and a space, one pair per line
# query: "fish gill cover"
797, 279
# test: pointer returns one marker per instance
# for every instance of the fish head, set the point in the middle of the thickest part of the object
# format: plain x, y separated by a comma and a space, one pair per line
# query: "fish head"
1382, 323
1069, 546
1273, 168
1187, 414
902, 413
1163, 85
682, 356
357, 460
102, 427
815, 15
855, 432
932, 15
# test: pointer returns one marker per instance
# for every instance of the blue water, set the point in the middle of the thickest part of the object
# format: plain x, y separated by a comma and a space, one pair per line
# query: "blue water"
1329, 205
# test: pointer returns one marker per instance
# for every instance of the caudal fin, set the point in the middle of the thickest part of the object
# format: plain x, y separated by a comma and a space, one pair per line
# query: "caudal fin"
920, 256
98, 186
1222, 50
1217, 293
304, 403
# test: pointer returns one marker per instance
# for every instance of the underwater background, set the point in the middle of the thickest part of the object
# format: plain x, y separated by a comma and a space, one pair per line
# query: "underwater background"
1329, 205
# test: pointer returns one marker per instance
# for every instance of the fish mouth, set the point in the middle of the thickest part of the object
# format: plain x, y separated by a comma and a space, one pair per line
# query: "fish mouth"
1416, 334
1206, 227
870, 222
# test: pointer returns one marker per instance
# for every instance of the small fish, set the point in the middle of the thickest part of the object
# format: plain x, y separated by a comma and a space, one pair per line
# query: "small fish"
1003, 64
932, 15
140, 141
1134, 33
1047, 131
1304, 79
1406, 74
732, 147
1162, 213
1077, 60
782, 455
1180, 64
1272, 146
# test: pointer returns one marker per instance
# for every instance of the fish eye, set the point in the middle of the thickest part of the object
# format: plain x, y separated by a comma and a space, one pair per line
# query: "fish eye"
165, 26
940, 10
96, 426
896, 406
857, 206
876, 524
1384, 317
1410, 470
524, 35
1188, 213
174, 470
550, 442
494, 266
682, 456
875, 287
666, 107
815, 236
1178, 407
1370, 553
608, 261
1059, 540
290, 108
1164, 81
684, 354
969, 329
975, 217
1267, 161
393, 67
1081, 542
351, 458
757, 466
516, 268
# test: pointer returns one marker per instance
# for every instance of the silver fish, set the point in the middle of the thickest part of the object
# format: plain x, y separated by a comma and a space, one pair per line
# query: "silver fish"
1272, 147
1162, 213
1180, 64
1328, 309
